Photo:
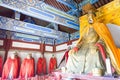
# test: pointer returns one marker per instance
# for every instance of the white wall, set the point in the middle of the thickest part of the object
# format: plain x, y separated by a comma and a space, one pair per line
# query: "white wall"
59, 56
25, 45
48, 48
115, 32
61, 47
2, 53
47, 56
1, 42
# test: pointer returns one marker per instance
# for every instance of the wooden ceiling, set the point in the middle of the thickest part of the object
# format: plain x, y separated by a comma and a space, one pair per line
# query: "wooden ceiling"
9, 13
63, 7
57, 5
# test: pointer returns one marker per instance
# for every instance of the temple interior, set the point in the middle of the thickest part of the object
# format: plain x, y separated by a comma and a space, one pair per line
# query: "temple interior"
59, 39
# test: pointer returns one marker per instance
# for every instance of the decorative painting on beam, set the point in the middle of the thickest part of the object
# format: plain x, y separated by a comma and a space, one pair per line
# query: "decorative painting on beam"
27, 28
31, 38
40, 10
30, 32
26, 37
2, 34
74, 35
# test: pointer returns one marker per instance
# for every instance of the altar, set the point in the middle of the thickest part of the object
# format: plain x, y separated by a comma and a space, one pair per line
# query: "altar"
64, 76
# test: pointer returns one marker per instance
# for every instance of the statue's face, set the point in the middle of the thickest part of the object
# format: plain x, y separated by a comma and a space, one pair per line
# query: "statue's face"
13, 56
91, 17
29, 56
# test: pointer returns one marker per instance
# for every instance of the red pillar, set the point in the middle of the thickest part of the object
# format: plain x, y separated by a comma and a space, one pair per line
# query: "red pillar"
69, 42
42, 48
7, 46
54, 48
7, 43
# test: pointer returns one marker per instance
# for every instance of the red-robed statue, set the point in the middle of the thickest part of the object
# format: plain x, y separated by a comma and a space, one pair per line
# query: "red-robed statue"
1, 61
11, 67
27, 67
52, 64
41, 65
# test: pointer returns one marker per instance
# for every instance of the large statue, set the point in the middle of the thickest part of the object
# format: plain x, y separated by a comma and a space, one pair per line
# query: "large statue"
27, 69
11, 67
105, 35
86, 56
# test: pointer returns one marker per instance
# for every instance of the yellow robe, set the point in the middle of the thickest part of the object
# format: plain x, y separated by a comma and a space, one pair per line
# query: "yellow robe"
105, 35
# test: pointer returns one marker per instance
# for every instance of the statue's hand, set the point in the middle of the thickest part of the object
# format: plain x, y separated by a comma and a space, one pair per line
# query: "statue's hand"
75, 49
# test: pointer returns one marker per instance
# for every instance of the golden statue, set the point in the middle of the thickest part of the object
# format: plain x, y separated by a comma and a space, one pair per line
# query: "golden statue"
86, 56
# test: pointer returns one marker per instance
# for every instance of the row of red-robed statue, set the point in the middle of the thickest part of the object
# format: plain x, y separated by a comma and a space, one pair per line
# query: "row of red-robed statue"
12, 68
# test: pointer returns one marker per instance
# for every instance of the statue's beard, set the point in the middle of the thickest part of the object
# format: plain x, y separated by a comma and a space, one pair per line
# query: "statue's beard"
93, 39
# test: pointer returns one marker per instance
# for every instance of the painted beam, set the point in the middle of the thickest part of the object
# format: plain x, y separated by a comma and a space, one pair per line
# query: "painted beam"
42, 11
32, 29
26, 37
74, 12
75, 35
93, 1
53, 26
73, 5
85, 2
70, 3
2, 33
